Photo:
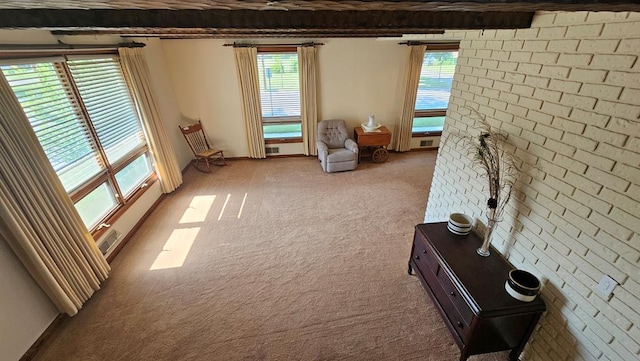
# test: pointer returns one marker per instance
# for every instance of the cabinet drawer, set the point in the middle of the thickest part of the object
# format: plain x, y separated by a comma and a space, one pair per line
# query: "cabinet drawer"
423, 257
454, 296
450, 312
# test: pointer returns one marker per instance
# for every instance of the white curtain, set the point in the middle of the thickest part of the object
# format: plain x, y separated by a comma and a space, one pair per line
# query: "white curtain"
247, 71
308, 97
38, 219
137, 74
404, 119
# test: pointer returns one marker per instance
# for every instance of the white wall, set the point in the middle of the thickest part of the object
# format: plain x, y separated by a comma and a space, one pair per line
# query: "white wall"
25, 311
357, 77
567, 93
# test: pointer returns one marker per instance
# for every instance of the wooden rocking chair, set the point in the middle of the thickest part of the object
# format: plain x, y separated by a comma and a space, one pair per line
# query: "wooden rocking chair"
195, 137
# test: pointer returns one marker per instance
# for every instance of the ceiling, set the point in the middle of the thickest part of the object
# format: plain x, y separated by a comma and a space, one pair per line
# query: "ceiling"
282, 18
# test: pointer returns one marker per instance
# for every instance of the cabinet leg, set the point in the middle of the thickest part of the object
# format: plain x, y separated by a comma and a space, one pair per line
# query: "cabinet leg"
410, 270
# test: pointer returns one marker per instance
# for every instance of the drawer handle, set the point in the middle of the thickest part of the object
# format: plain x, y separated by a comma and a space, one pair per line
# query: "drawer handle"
416, 257
459, 324
452, 294
424, 251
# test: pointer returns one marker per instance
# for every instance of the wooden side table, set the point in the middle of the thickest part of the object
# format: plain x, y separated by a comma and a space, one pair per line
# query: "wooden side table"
376, 142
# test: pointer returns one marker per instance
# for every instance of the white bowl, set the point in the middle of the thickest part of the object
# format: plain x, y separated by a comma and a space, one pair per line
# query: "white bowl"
370, 129
459, 224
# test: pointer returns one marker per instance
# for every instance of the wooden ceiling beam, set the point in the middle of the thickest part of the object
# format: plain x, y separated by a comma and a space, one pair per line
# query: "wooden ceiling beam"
285, 22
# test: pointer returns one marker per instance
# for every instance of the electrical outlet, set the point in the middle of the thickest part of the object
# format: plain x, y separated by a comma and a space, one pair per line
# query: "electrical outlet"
606, 286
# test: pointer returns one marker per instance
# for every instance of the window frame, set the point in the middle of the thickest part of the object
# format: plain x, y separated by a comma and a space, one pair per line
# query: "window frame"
107, 174
428, 113
281, 120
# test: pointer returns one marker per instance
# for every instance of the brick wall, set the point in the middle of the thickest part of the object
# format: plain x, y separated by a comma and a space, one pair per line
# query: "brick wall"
567, 93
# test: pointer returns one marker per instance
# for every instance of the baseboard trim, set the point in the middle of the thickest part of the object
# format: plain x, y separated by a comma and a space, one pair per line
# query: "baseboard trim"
135, 228
37, 345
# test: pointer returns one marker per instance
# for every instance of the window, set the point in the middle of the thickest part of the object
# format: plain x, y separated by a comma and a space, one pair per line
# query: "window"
279, 93
434, 89
85, 120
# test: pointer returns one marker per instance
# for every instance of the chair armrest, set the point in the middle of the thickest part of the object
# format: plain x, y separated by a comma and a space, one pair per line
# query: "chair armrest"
351, 145
322, 147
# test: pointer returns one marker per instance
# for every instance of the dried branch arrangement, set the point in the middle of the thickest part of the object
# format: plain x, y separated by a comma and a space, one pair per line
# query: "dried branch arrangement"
499, 166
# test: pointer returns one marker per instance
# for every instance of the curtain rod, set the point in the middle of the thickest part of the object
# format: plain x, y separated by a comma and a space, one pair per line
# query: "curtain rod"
63, 46
251, 45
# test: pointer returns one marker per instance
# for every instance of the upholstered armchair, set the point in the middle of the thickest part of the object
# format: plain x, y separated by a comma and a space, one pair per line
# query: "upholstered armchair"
336, 151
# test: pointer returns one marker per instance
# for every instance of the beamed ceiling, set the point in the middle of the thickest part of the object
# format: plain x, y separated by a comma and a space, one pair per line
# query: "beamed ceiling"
284, 18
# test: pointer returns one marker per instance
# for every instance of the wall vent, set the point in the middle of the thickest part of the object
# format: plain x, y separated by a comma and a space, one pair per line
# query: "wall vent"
272, 150
107, 243
426, 143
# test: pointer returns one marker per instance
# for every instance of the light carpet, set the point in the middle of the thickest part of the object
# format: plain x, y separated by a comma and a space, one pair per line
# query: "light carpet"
284, 263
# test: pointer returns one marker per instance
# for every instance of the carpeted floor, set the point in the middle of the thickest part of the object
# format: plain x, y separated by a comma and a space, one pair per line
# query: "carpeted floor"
284, 263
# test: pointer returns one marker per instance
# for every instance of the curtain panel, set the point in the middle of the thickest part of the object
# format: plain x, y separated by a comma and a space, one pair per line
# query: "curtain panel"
38, 219
136, 71
404, 120
247, 71
308, 96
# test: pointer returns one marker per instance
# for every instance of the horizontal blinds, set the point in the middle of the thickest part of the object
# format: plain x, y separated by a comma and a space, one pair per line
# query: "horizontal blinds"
54, 113
436, 77
279, 84
107, 100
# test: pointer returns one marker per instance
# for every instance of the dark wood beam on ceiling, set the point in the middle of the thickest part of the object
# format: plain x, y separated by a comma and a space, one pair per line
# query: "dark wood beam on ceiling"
253, 21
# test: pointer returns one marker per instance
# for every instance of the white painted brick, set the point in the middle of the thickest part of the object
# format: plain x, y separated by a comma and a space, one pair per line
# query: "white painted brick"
544, 58
495, 74
535, 45
629, 46
490, 64
508, 66
556, 32
594, 160
591, 201
565, 85
606, 16
576, 17
530, 103
563, 46
548, 132
494, 44
602, 91
607, 179
530, 33
510, 97
568, 125
584, 31
539, 117
527, 68
556, 109
630, 95
582, 182
623, 78
624, 202
587, 75
567, 239
497, 104
621, 30
484, 82
613, 62
500, 55
555, 71
574, 59
514, 77
579, 101
621, 247
625, 111
606, 136
615, 229
625, 126
541, 19
626, 219
590, 118
598, 46
580, 142
547, 95
520, 56
598, 248
512, 45
503, 86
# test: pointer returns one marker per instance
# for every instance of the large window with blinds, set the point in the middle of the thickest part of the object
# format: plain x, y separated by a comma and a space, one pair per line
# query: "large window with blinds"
279, 93
434, 89
84, 117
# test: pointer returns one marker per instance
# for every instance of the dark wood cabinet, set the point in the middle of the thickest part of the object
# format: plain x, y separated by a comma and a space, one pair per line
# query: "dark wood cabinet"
469, 292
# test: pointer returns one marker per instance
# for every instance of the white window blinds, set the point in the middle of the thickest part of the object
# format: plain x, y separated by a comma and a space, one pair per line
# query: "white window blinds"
436, 78
279, 85
56, 117
107, 100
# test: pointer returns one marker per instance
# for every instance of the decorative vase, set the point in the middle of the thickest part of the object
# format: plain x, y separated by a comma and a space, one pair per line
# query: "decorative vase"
486, 242
372, 122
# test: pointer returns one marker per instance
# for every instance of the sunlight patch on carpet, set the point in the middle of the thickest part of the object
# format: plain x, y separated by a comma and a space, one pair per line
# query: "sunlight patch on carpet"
176, 249
198, 209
